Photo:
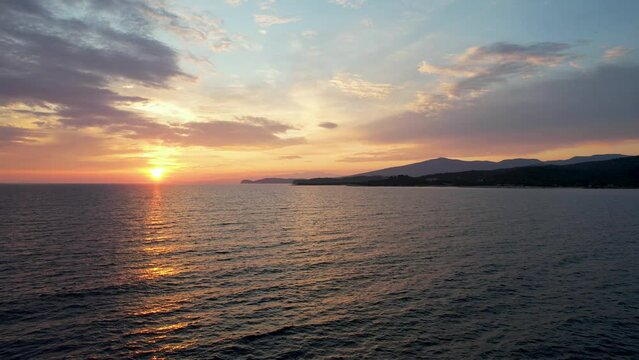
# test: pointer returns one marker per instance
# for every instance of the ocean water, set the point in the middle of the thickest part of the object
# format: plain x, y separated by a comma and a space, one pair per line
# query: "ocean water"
271, 271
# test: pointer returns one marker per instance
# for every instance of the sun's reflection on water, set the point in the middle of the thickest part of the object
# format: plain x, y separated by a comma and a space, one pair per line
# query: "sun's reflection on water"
153, 309
162, 328
155, 272
159, 249
158, 230
160, 322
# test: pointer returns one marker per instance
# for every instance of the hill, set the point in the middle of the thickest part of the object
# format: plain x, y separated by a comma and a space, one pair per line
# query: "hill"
445, 165
615, 173
582, 159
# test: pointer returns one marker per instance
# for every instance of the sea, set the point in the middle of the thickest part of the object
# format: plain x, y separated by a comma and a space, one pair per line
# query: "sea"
311, 272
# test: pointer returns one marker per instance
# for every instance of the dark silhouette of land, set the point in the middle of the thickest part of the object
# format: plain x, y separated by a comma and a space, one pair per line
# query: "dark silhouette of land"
347, 180
444, 165
616, 173
430, 167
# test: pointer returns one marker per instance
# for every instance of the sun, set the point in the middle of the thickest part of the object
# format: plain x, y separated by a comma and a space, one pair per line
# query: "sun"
157, 173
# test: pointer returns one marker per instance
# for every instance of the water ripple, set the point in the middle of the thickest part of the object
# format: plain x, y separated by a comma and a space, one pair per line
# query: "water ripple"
245, 272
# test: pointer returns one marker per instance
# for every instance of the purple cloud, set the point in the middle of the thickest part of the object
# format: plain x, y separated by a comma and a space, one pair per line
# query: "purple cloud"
10, 135
48, 59
249, 131
67, 65
595, 105
328, 125
482, 66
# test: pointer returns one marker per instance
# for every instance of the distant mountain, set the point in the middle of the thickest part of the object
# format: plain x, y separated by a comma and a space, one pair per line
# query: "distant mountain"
444, 165
581, 159
616, 173
407, 173
430, 167
268, 181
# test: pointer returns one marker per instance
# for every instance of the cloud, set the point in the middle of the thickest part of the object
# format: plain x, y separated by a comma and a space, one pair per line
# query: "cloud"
200, 60
68, 64
328, 125
353, 84
454, 71
587, 105
398, 154
139, 15
478, 68
246, 132
267, 4
615, 52
290, 157
543, 53
271, 125
355, 4
68, 151
221, 45
431, 103
266, 21
50, 42
235, 3
11, 135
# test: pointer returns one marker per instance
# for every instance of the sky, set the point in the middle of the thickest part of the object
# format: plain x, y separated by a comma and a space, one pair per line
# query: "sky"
109, 91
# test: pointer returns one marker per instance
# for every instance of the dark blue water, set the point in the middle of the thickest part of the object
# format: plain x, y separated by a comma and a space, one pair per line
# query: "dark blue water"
235, 272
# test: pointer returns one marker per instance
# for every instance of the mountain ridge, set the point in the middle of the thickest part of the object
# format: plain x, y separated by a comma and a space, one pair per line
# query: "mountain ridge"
446, 165
615, 173
451, 165
432, 166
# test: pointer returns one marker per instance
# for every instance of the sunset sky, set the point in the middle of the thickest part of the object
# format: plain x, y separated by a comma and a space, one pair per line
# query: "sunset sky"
218, 91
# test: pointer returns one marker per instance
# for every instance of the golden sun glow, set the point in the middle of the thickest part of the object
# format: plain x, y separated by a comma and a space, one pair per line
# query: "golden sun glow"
157, 173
